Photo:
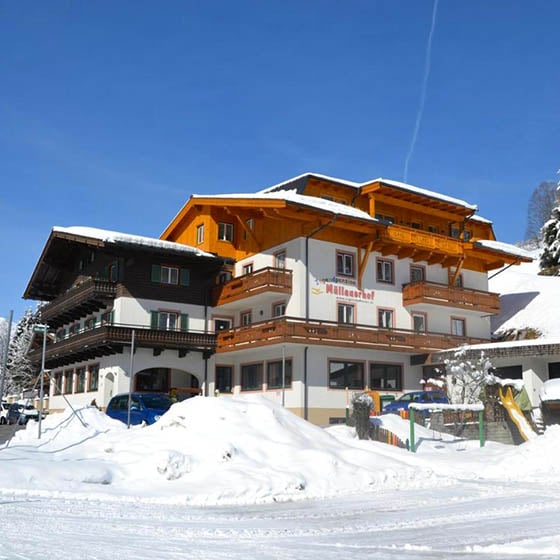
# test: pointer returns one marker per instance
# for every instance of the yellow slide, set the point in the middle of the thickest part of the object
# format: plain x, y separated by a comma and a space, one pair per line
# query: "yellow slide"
516, 415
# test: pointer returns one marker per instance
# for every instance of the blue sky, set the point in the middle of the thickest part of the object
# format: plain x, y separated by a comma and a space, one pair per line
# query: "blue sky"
113, 113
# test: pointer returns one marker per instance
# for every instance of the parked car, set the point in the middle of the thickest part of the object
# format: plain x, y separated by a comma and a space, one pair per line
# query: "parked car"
19, 413
4, 407
424, 397
145, 407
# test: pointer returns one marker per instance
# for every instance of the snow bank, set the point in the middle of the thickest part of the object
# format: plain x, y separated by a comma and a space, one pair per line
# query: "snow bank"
203, 451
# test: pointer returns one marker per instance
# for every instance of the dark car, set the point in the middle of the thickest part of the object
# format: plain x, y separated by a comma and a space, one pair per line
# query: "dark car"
144, 407
21, 413
424, 397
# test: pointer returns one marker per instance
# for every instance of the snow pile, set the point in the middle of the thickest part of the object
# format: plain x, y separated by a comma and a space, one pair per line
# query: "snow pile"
550, 390
203, 451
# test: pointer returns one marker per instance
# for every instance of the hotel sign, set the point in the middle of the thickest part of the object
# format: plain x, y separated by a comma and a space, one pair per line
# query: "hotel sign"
342, 290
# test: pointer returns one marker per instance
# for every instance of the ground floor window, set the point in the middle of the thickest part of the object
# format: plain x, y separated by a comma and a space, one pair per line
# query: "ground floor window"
508, 372
93, 377
344, 374
80, 380
224, 379
57, 382
554, 370
251, 377
68, 382
385, 376
275, 371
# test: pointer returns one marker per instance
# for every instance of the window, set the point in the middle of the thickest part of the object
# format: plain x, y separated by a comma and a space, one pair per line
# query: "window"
224, 379
93, 377
251, 377
279, 309
222, 324
248, 268
225, 232
419, 322
171, 275
454, 232
90, 323
107, 318
250, 223
385, 318
384, 218
200, 234
416, 225
345, 313
169, 321
80, 380
553, 370
113, 274
345, 264
280, 259
385, 376
225, 276
245, 319
68, 382
385, 271
458, 326
344, 374
57, 378
508, 372
275, 371
416, 273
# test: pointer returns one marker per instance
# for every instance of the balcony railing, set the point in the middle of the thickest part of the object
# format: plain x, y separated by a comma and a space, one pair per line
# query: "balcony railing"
274, 280
442, 294
294, 330
111, 339
422, 239
90, 296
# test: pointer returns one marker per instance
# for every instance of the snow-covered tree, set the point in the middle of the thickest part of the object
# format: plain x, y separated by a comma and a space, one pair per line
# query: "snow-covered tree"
20, 372
550, 257
3, 341
541, 203
466, 377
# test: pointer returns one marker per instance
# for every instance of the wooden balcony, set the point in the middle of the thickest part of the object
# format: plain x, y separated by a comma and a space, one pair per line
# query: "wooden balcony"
448, 296
111, 339
406, 242
271, 280
299, 331
90, 296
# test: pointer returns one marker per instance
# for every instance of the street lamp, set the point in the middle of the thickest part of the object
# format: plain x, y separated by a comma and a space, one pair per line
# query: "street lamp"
42, 329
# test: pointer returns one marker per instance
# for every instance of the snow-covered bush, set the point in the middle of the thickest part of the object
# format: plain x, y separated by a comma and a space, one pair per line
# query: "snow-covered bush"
467, 377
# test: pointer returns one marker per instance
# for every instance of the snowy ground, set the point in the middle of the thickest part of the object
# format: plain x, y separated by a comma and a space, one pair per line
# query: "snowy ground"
243, 478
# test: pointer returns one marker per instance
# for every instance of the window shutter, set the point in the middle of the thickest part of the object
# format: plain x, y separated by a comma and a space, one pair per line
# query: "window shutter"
154, 319
156, 273
114, 272
184, 322
185, 277
105, 273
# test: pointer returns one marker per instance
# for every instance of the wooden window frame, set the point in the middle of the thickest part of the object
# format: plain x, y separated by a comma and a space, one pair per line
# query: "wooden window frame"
241, 372
200, 234
422, 314
399, 382
341, 254
381, 262
463, 320
346, 363
226, 232
287, 385
232, 377
386, 310
419, 267
346, 305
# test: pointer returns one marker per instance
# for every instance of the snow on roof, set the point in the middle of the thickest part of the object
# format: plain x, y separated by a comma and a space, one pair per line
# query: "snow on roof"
316, 175
125, 238
304, 200
424, 192
503, 248
550, 390
397, 184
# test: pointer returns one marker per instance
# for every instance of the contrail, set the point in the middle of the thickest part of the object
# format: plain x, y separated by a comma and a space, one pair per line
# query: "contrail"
423, 91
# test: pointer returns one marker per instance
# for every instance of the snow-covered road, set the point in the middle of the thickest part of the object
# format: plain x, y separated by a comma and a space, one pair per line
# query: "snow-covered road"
467, 520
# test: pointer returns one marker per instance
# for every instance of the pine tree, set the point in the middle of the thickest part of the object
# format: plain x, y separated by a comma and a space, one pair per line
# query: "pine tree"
20, 372
550, 257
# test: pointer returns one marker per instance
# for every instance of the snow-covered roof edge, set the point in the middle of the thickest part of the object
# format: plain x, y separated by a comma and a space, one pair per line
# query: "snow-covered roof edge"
501, 247
117, 237
304, 200
316, 175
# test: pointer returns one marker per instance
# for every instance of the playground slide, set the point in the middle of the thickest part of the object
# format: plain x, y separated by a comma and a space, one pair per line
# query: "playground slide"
516, 415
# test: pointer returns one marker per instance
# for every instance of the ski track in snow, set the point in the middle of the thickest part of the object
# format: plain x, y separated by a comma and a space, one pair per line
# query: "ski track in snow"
420, 524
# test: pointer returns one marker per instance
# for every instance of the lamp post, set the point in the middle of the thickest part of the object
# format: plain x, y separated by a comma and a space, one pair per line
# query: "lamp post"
42, 329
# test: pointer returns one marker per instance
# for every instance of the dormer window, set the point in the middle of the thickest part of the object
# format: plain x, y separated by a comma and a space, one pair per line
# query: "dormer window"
225, 232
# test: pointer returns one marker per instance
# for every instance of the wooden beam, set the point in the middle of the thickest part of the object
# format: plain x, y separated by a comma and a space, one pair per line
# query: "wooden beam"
363, 258
457, 271
250, 233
